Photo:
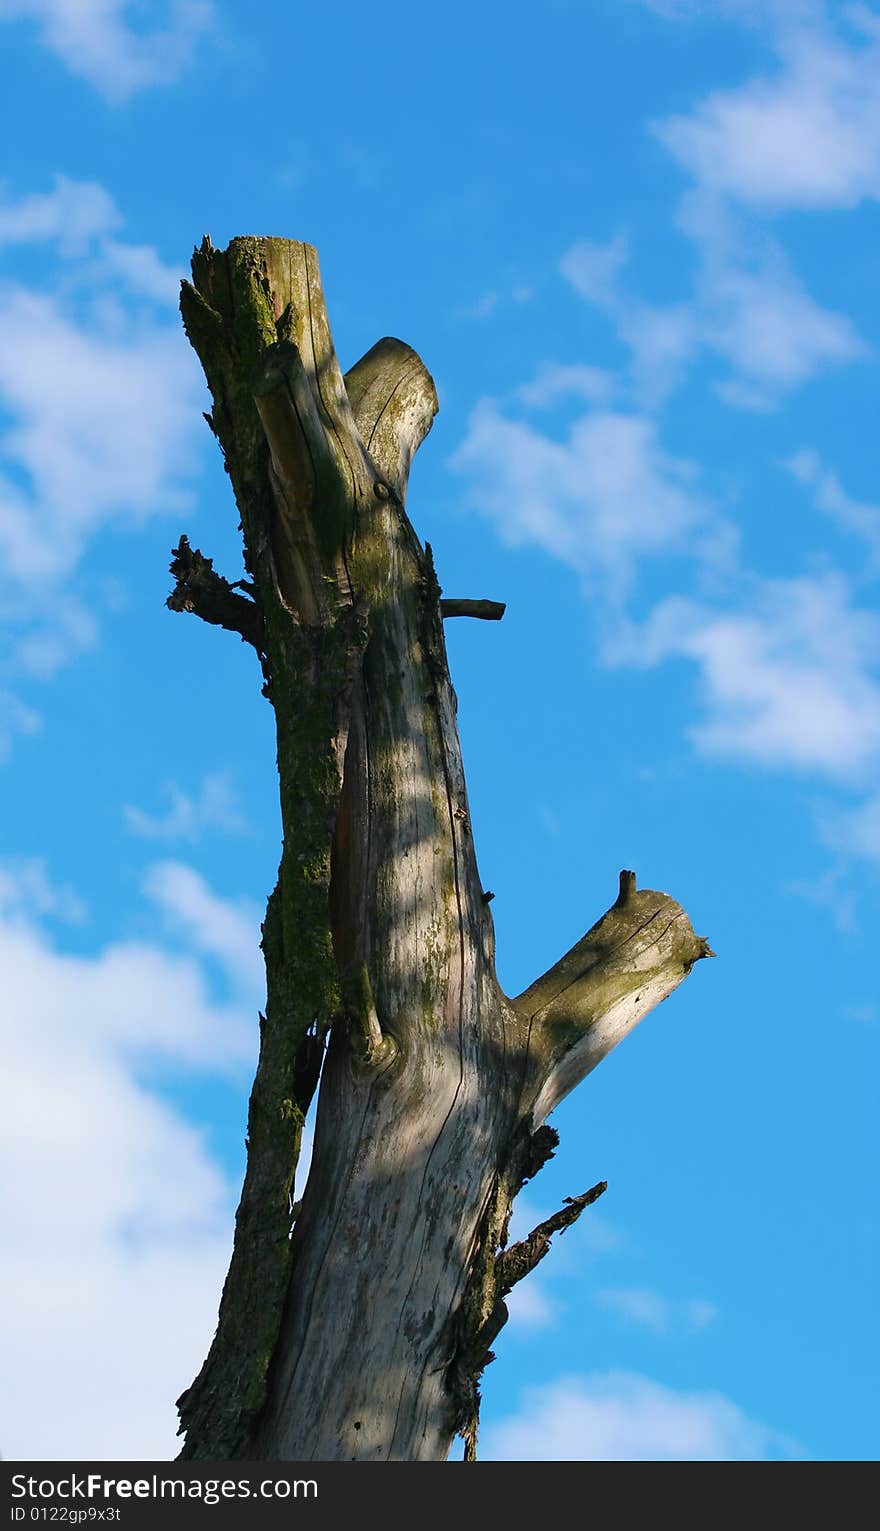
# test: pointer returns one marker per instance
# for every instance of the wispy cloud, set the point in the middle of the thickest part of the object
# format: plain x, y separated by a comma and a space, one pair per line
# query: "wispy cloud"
73, 214
25, 887
829, 496
531, 1306
830, 890
761, 319
788, 669
748, 308
554, 381
806, 135
591, 1237
210, 925
99, 394
594, 269
81, 220
662, 1315
483, 307
214, 805
787, 680
100, 40
540, 1302
16, 720
600, 500
100, 429
623, 1417
662, 341
64, 628
140, 269
854, 831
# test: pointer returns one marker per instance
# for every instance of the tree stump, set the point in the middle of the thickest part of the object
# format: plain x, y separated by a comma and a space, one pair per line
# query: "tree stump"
358, 1329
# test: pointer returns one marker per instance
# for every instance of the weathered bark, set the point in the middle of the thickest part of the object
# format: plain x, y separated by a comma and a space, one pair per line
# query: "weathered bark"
361, 1332
489, 611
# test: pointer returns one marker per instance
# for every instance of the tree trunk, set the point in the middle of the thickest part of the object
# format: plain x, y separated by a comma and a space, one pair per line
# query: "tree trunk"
359, 1330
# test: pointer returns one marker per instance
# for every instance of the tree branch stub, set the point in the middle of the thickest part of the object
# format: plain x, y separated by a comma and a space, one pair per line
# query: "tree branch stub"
516, 1262
199, 589
486, 611
394, 401
582, 1007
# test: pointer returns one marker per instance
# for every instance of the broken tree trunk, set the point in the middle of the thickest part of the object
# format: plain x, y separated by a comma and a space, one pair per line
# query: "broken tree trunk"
360, 1331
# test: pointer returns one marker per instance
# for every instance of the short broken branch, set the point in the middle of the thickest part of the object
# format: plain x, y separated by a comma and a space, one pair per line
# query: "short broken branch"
501, 1275
487, 611
597, 993
517, 1262
201, 590
394, 401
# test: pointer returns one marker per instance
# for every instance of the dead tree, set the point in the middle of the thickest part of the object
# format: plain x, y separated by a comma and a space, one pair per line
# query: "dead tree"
357, 1325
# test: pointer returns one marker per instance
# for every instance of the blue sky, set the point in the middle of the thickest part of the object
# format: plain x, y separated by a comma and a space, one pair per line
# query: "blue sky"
636, 244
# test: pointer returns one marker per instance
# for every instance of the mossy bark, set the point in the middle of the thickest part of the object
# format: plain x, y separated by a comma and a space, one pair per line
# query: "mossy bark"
361, 1332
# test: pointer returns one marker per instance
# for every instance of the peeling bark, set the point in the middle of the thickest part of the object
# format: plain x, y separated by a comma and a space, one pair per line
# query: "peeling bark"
361, 1333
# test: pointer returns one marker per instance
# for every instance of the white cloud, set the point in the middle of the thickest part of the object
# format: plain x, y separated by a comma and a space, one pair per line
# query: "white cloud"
855, 831
25, 886
526, 1215
830, 890
214, 806
480, 308
80, 219
73, 214
623, 1417
537, 1302
138, 996
594, 269
652, 1311
765, 323
747, 306
530, 1305
100, 411
101, 425
853, 516
15, 718
142, 271
117, 1221
787, 679
228, 932
663, 342
100, 405
807, 136
601, 499
556, 380
120, 1332
488, 303
99, 40
67, 628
